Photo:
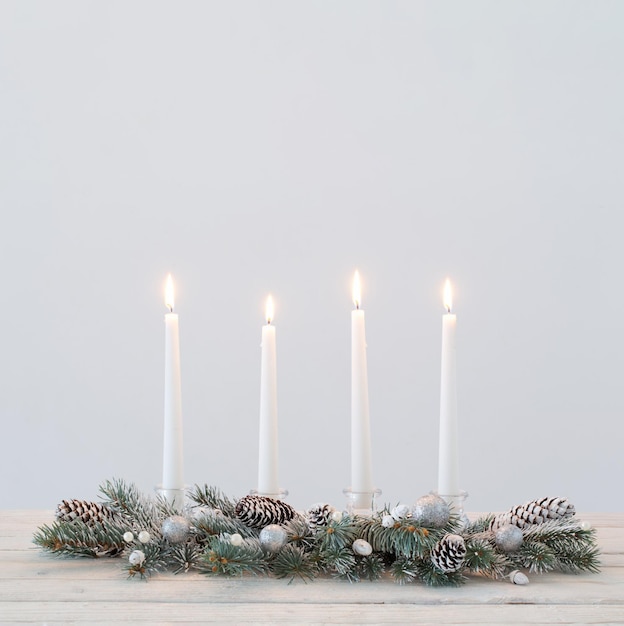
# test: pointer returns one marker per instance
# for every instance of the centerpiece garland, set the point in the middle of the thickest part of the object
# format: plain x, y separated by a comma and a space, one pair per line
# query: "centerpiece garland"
217, 535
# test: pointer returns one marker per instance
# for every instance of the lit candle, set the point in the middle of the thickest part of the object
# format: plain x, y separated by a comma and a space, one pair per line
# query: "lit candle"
268, 483
448, 452
173, 478
361, 459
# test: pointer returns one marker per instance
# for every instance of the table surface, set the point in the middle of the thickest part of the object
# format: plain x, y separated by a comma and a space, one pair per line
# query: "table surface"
38, 588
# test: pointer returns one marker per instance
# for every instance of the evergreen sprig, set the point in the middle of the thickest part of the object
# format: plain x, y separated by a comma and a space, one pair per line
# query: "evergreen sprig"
77, 539
213, 498
402, 551
222, 557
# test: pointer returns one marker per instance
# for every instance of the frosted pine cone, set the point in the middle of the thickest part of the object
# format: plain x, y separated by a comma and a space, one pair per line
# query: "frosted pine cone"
79, 510
449, 553
260, 511
534, 512
318, 515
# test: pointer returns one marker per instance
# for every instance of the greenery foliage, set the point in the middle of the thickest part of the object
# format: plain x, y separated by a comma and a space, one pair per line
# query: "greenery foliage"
401, 551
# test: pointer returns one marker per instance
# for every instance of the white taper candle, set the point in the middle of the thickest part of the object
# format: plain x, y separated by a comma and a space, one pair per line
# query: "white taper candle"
361, 457
173, 472
268, 482
448, 461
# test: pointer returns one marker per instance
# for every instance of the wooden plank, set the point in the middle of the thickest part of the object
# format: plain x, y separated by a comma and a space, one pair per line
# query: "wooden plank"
242, 613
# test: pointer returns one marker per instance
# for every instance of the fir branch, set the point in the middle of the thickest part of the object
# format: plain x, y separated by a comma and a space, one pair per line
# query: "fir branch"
405, 538
213, 498
404, 570
299, 533
156, 559
336, 535
138, 511
339, 562
534, 556
211, 524
294, 562
482, 558
433, 577
222, 557
479, 526
184, 557
77, 539
370, 567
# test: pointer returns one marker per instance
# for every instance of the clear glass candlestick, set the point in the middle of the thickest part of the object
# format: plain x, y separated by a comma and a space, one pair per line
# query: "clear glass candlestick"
280, 495
361, 502
456, 503
175, 497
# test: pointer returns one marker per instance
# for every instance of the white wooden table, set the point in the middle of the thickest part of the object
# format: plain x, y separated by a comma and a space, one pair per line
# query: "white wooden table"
38, 588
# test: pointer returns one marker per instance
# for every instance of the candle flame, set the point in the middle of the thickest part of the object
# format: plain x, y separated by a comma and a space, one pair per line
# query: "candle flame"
269, 309
448, 296
169, 293
357, 292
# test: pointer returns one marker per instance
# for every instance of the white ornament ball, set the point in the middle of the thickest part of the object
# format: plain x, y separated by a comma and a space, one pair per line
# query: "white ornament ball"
400, 511
128, 537
585, 525
508, 538
337, 516
387, 521
176, 529
431, 510
236, 539
144, 536
362, 547
273, 537
518, 578
136, 557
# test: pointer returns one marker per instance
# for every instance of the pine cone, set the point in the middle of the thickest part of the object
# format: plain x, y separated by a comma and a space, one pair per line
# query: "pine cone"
260, 511
534, 512
318, 515
448, 554
79, 510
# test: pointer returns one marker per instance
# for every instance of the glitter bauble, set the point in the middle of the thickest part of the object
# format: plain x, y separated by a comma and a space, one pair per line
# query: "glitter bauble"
508, 538
431, 510
273, 537
144, 537
175, 529
362, 547
128, 537
136, 557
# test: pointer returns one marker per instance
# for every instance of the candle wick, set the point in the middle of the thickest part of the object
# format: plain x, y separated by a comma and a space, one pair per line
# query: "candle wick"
170, 309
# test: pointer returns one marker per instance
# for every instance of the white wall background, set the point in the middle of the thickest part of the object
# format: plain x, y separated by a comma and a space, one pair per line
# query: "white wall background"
250, 147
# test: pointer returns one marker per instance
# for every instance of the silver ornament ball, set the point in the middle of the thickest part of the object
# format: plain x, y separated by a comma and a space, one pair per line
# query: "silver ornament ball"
362, 547
176, 528
136, 557
273, 537
508, 538
337, 516
431, 510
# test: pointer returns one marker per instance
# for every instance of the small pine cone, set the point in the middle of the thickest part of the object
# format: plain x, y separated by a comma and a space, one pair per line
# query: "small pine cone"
318, 515
449, 553
79, 510
260, 511
534, 512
